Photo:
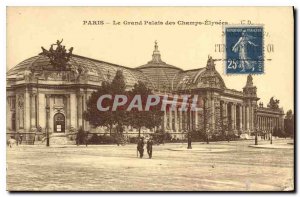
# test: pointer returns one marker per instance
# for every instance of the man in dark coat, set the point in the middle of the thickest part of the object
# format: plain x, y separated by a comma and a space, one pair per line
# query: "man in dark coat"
140, 147
149, 147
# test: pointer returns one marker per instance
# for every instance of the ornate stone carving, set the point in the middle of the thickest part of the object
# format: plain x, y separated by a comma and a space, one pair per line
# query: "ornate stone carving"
273, 103
59, 57
210, 64
249, 90
21, 101
249, 82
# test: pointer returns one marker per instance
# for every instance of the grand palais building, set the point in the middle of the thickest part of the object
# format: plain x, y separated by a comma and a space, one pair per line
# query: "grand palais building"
39, 95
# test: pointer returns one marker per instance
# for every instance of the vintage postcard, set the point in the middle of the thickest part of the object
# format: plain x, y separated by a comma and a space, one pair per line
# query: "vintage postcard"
150, 99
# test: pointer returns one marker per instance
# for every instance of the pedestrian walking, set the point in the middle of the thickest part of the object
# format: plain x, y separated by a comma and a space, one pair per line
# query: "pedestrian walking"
149, 147
20, 139
140, 147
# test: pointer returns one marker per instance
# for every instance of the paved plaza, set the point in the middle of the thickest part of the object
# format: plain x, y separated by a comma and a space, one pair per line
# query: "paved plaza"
215, 166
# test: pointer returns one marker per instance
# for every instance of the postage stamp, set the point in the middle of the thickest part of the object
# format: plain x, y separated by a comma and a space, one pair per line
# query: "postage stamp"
244, 50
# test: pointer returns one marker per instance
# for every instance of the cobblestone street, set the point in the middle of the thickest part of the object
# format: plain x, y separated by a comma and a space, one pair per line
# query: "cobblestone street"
214, 166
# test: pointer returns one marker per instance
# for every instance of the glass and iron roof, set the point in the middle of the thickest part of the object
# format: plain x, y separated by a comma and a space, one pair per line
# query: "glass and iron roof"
156, 74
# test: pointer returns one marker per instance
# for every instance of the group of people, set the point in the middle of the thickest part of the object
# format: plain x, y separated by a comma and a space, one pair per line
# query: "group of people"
15, 141
140, 147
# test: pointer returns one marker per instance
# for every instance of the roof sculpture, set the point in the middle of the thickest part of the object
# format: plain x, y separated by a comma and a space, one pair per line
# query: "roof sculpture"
58, 65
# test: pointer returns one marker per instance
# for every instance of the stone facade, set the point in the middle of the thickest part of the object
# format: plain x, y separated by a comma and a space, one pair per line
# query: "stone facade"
40, 96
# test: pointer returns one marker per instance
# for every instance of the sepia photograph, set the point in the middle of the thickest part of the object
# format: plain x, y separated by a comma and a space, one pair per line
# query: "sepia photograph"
150, 99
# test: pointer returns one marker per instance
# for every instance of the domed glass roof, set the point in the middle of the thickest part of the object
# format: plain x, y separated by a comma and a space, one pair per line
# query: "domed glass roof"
160, 73
99, 70
206, 77
156, 74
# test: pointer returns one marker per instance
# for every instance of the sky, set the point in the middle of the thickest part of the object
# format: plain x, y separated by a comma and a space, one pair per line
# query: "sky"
184, 46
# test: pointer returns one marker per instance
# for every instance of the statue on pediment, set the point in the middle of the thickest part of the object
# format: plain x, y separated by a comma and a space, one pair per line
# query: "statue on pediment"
59, 57
249, 82
274, 103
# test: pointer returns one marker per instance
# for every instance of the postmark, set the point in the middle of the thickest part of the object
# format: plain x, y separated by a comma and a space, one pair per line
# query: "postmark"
244, 52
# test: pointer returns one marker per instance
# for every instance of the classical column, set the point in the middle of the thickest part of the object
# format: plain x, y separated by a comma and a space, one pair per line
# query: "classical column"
241, 117
79, 110
213, 113
260, 125
51, 112
170, 119
176, 120
257, 122
17, 113
49, 120
252, 117
68, 111
180, 120
232, 117
196, 120
244, 117
33, 110
85, 126
165, 119
185, 122
235, 116
27, 111
224, 115
248, 117
73, 108
42, 110
225, 119
8, 113
87, 96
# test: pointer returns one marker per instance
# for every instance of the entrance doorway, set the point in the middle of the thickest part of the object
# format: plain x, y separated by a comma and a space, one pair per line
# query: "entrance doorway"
59, 123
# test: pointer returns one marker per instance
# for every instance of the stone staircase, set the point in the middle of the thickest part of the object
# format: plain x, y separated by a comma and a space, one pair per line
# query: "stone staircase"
58, 139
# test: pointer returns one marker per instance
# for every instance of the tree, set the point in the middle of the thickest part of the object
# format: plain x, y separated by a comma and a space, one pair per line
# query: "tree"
142, 118
289, 123
289, 114
278, 132
107, 118
207, 126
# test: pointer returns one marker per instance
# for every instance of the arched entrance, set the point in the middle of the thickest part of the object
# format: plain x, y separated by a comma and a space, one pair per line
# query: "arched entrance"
59, 123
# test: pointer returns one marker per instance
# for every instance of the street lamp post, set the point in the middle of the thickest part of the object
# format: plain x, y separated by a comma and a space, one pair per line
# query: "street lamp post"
271, 141
256, 142
189, 140
207, 134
